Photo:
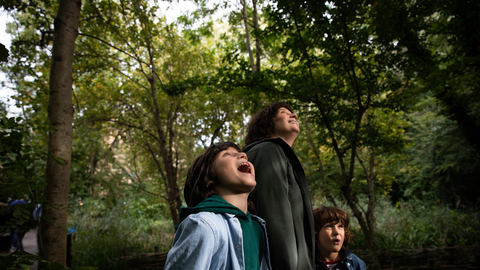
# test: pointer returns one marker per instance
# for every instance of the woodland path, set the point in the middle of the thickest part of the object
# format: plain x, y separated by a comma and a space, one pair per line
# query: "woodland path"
30, 245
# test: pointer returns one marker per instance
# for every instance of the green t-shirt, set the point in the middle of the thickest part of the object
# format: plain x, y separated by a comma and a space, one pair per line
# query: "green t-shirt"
253, 242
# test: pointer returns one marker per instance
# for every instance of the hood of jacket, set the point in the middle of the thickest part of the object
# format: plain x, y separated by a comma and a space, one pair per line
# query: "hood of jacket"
278, 141
215, 204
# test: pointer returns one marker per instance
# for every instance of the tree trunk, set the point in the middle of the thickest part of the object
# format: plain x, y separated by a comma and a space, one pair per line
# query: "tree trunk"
60, 114
347, 170
347, 193
173, 191
247, 35
174, 201
256, 27
370, 215
371, 196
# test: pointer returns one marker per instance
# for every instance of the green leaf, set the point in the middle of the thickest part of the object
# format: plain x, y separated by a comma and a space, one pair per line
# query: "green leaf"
59, 160
3, 53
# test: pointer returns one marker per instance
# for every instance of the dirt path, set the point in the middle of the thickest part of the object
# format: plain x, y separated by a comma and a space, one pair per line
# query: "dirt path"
30, 245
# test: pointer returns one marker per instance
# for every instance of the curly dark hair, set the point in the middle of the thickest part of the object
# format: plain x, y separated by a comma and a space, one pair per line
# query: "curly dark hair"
261, 126
197, 185
327, 214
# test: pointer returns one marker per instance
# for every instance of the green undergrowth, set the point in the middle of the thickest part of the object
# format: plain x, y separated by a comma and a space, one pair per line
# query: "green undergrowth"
103, 235
416, 224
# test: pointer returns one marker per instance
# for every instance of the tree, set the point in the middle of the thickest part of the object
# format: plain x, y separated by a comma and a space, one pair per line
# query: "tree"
452, 36
333, 64
441, 164
3, 53
241, 45
440, 43
60, 114
135, 101
152, 88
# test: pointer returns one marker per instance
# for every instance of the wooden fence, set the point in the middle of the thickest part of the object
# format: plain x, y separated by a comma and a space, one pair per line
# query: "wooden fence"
451, 258
459, 257
148, 261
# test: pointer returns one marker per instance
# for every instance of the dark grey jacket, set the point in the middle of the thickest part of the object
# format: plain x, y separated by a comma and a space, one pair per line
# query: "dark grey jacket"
282, 199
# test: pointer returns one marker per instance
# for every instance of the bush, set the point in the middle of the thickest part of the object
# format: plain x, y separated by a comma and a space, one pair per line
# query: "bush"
417, 224
102, 235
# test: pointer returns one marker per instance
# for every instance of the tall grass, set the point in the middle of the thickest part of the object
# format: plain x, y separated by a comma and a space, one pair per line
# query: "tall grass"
416, 224
102, 235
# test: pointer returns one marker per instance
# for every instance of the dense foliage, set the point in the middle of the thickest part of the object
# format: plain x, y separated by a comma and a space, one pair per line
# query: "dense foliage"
418, 224
104, 234
389, 112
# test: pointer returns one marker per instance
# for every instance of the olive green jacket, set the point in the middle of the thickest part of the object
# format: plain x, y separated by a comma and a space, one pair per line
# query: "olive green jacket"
282, 199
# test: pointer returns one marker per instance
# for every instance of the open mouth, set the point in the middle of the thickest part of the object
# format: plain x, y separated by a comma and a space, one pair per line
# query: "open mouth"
244, 167
336, 241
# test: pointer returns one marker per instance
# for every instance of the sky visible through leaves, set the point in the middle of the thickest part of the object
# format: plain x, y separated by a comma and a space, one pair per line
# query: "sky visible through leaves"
170, 9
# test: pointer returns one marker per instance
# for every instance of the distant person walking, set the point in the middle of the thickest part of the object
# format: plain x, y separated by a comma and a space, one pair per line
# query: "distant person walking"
21, 226
281, 196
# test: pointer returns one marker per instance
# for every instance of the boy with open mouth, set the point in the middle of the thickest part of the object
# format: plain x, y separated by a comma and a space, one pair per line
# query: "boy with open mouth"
216, 230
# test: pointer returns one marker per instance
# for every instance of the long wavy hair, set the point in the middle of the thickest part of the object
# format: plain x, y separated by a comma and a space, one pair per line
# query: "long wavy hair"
198, 185
327, 214
261, 126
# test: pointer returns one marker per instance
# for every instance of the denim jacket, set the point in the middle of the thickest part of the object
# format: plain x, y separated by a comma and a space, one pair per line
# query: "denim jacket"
209, 240
350, 261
